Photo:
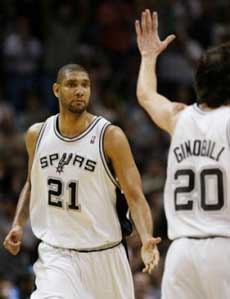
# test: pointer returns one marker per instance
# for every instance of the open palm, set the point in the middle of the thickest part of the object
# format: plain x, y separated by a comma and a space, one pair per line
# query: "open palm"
148, 39
150, 254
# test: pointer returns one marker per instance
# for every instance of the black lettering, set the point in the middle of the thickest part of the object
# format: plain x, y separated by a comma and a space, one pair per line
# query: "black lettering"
44, 162
212, 150
209, 145
188, 148
53, 157
196, 147
204, 148
183, 151
79, 160
64, 160
90, 165
178, 155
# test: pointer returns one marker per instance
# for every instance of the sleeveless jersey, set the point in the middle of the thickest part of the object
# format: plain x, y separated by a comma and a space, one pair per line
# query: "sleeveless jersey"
197, 190
73, 193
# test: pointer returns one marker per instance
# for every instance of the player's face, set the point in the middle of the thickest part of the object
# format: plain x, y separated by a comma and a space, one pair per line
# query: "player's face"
74, 91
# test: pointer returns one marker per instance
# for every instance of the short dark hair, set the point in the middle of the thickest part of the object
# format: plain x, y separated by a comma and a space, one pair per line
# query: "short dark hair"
213, 77
69, 68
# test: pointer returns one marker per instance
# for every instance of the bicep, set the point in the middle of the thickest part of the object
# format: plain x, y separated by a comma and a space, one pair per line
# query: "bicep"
118, 149
31, 140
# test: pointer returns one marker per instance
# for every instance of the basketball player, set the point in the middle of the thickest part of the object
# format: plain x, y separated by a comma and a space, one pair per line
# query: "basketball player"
76, 162
197, 190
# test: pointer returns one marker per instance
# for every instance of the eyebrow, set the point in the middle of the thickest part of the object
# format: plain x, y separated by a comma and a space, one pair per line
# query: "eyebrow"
77, 80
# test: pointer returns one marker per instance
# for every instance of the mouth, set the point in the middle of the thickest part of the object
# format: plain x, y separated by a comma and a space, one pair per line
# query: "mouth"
78, 101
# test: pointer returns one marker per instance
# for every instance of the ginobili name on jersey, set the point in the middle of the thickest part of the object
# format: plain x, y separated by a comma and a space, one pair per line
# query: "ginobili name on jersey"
198, 147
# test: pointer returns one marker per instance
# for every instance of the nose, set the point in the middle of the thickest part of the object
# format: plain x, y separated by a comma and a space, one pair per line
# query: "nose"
79, 92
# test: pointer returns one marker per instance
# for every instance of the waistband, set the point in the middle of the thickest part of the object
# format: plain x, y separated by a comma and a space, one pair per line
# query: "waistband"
201, 238
88, 250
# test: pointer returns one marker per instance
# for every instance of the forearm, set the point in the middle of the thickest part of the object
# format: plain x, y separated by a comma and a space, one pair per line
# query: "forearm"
147, 79
22, 210
142, 218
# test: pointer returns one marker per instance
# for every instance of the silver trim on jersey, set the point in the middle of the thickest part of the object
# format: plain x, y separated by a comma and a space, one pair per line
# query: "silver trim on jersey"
72, 139
102, 154
40, 135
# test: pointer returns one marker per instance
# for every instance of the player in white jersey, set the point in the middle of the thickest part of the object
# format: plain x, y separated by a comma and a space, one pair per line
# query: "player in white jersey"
76, 163
197, 192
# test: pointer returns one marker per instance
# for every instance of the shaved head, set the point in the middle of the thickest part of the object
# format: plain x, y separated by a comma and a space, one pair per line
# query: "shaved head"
69, 68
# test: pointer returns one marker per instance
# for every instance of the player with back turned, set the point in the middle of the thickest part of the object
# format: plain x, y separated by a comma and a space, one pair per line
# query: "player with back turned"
76, 163
197, 190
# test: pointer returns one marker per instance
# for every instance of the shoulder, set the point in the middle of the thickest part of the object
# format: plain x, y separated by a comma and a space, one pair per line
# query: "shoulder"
32, 135
115, 141
114, 134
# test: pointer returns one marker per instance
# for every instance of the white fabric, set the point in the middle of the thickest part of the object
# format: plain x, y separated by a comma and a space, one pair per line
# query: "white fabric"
93, 223
197, 269
206, 180
67, 274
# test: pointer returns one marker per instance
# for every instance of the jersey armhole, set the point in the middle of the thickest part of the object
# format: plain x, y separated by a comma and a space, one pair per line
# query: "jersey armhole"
102, 154
40, 135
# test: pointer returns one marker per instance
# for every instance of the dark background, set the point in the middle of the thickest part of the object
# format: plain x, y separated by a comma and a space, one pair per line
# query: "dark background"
36, 38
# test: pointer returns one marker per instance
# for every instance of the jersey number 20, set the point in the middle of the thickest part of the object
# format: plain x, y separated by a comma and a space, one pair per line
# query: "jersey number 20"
203, 176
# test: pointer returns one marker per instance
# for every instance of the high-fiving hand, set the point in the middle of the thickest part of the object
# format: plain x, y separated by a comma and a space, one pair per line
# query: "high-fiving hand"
148, 39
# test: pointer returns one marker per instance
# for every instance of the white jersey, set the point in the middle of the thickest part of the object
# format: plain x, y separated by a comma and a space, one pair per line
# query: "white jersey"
197, 190
73, 193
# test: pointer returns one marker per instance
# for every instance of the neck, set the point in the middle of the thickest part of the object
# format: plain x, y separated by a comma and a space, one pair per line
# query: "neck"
71, 125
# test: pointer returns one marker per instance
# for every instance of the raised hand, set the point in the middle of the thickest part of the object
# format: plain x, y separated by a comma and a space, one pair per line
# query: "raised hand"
12, 241
150, 254
148, 39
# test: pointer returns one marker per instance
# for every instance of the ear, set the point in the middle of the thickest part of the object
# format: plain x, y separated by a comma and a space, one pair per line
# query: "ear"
56, 89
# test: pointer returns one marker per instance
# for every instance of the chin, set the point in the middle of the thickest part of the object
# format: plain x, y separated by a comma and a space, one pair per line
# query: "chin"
77, 110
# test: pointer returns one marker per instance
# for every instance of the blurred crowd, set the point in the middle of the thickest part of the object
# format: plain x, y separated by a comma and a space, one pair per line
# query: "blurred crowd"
39, 36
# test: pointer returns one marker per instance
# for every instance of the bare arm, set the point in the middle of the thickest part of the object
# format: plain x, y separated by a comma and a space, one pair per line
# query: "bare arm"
162, 111
13, 239
118, 151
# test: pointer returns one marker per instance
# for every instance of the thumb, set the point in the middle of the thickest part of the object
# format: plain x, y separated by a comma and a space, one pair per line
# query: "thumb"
169, 39
156, 241
152, 242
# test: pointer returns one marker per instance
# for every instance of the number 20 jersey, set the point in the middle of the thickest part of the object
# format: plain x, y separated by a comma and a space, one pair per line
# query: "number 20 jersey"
197, 190
73, 198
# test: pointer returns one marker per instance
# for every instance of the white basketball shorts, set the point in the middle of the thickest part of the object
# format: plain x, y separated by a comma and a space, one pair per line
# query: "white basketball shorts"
197, 269
68, 274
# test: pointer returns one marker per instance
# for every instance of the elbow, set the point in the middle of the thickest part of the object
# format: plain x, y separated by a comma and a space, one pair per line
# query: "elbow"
142, 97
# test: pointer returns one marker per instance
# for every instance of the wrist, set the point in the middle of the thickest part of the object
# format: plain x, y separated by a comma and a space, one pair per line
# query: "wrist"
149, 56
17, 225
146, 238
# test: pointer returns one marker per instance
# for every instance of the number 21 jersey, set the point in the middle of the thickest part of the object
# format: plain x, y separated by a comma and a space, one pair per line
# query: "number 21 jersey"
73, 193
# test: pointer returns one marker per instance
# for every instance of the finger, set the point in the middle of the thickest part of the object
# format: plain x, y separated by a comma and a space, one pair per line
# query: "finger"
12, 249
154, 21
151, 268
12, 246
143, 22
153, 242
148, 20
169, 39
157, 240
138, 27
146, 268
